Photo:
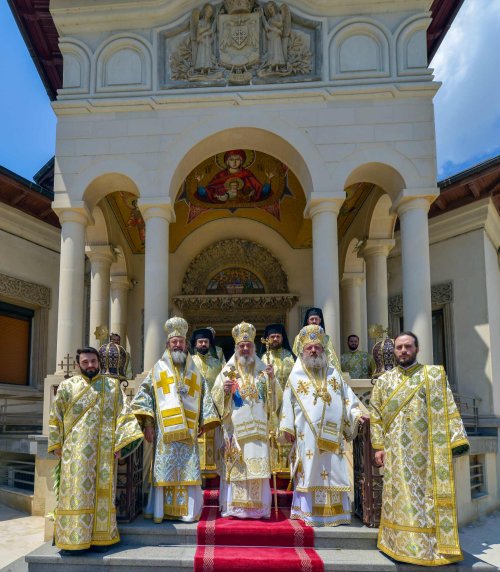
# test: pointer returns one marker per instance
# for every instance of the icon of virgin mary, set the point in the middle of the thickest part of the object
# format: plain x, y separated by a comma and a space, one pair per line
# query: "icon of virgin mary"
235, 183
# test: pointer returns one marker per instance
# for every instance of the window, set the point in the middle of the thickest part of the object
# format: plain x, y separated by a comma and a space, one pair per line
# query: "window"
477, 483
15, 343
438, 338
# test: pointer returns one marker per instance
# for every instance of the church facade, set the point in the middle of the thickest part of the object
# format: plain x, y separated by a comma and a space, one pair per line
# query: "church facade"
245, 160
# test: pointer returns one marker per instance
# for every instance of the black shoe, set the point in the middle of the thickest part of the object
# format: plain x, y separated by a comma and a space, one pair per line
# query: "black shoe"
64, 552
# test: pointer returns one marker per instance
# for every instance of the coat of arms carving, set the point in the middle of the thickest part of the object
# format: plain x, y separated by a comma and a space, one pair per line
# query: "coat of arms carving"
240, 42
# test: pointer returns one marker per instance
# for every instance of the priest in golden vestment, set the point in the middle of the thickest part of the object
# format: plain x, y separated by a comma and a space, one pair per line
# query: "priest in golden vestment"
247, 396
320, 412
89, 424
208, 364
314, 316
417, 429
174, 406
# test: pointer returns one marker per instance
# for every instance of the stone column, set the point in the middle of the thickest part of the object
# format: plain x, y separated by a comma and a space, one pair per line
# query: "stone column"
415, 259
71, 274
351, 307
157, 218
120, 285
375, 252
324, 212
101, 258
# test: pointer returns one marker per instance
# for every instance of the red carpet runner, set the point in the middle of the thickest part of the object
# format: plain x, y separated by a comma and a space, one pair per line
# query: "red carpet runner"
278, 544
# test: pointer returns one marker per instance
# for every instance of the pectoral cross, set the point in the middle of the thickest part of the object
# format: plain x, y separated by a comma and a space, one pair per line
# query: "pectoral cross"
66, 366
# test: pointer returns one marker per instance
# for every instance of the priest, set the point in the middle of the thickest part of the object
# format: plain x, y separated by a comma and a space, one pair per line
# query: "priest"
247, 397
204, 357
319, 412
416, 430
174, 406
89, 425
277, 352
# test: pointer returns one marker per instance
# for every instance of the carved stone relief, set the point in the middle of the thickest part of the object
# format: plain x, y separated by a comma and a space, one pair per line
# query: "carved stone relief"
233, 253
440, 294
238, 42
23, 291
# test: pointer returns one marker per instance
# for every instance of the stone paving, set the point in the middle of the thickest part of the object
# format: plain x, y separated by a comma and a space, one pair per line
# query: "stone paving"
21, 534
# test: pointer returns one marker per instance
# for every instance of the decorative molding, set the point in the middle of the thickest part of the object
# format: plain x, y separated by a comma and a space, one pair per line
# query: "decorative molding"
440, 294
23, 291
234, 253
226, 302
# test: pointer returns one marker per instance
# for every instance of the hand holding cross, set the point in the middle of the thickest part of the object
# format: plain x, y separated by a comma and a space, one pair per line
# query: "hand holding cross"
231, 381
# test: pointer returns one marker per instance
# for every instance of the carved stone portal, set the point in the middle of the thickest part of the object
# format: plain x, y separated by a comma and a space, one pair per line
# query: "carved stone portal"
198, 307
240, 42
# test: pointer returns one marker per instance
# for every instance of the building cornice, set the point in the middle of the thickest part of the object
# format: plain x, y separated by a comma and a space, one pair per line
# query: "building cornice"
29, 228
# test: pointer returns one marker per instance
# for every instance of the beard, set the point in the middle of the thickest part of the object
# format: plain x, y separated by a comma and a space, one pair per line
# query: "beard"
407, 360
318, 362
202, 351
245, 361
276, 345
178, 357
90, 372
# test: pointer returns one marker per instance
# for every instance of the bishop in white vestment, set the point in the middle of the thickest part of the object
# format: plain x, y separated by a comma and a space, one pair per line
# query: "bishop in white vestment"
320, 412
247, 397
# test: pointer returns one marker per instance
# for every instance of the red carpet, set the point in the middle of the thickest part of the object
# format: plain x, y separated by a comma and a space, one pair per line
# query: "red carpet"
278, 544
227, 559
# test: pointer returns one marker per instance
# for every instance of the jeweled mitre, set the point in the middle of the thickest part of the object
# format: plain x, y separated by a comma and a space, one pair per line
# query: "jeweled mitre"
244, 332
176, 327
311, 334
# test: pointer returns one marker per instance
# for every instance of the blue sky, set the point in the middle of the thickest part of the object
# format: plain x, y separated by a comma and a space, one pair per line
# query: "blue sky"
467, 107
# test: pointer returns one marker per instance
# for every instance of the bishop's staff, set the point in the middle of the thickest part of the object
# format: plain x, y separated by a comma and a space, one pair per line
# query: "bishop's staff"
272, 422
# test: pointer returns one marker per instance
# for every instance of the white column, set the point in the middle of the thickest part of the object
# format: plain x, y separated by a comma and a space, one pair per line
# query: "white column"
375, 252
351, 307
71, 275
120, 285
101, 258
417, 306
157, 218
324, 214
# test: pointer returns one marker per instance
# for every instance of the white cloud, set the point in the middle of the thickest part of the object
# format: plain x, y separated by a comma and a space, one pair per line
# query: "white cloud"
468, 103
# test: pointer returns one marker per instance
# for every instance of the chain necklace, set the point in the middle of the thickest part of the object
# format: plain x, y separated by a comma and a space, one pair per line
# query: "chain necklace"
248, 389
182, 388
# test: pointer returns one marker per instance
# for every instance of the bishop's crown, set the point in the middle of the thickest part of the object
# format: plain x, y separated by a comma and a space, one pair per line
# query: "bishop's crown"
239, 6
243, 332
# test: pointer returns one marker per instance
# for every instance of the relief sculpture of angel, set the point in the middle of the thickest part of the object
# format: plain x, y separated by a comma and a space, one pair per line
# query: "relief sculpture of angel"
202, 39
277, 26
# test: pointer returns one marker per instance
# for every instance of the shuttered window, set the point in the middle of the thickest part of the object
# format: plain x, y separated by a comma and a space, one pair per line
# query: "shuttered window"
15, 344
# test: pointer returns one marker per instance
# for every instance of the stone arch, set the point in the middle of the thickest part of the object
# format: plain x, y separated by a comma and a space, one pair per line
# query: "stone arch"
261, 131
234, 253
382, 221
411, 46
76, 66
353, 263
97, 232
105, 184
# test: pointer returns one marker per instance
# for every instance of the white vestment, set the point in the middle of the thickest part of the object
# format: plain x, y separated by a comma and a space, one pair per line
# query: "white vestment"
320, 412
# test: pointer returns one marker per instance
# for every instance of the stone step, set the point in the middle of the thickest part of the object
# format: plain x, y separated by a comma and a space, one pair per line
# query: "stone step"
144, 532
129, 558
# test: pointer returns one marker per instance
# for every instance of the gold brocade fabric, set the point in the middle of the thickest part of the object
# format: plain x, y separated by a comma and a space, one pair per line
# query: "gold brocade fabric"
89, 421
209, 368
358, 364
415, 420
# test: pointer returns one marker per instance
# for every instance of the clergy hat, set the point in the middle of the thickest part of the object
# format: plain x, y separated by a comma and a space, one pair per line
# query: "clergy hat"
243, 332
277, 329
314, 312
311, 334
205, 333
176, 327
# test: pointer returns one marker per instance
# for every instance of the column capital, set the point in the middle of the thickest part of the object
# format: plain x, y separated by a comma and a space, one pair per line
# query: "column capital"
120, 282
100, 253
322, 202
79, 215
377, 246
409, 199
352, 279
157, 210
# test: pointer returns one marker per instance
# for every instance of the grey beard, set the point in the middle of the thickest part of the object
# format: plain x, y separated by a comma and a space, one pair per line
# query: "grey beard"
178, 357
316, 363
245, 360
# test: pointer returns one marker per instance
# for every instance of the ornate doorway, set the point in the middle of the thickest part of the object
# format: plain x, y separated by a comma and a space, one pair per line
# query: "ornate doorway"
234, 280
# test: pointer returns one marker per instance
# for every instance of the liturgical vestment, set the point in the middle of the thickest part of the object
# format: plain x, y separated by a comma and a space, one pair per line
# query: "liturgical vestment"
89, 421
414, 418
